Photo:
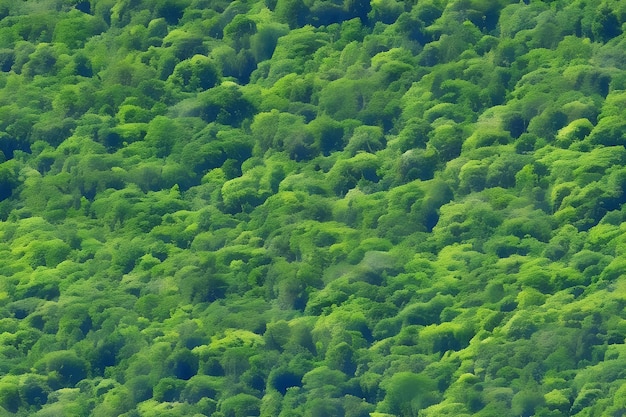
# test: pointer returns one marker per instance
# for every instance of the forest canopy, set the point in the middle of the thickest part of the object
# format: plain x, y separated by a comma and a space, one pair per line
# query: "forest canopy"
312, 208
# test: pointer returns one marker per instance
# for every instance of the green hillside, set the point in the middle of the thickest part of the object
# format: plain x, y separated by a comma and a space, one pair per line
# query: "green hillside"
318, 208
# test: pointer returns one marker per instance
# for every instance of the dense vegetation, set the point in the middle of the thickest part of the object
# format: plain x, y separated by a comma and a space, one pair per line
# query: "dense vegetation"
312, 208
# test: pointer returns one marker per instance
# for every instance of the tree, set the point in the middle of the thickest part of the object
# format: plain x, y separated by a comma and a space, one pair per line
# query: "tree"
9, 397
406, 393
199, 387
75, 28
67, 365
8, 178
140, 387
37, 26
473, 176
197, 73
526, 402
240, 405
7, 59
50, 252
184, 44
182, 363
168, 390
347, 173
43, 61
447, 139
328, 134
324, 382
281, 379
358, 8
605, 25
417, 164
171, 10
162, 135
264, 127
323, 13
345, 98
366, 138
292, 12
610, 131
342, 358
414, 134
225, 104
263, 43
576, 131
243, 193
386, 11
322, 407
239, 31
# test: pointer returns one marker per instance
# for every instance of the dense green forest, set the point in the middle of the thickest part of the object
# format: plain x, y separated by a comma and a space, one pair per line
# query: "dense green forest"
317, 208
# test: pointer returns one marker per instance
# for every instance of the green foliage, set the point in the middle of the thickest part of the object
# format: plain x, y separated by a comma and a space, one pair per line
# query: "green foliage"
9, 397
406, 393
8, 178
225, 104
292, 12
347, 173
183, 364
197, 73
34, 390
168, 390
162, 135
345, 98
239, 31
76, 28
367, 139
312, 208
65, 364
240, 405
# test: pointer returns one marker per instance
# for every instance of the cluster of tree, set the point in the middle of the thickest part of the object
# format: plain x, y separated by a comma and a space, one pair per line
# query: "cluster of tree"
312, 208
